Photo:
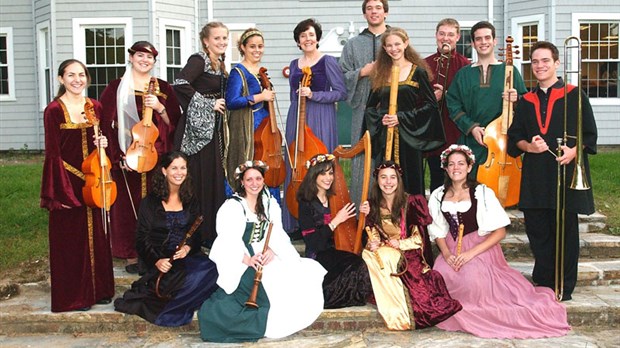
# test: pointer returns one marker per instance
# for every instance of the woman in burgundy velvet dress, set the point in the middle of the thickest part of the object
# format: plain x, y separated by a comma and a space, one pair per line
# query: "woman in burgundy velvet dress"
80, 260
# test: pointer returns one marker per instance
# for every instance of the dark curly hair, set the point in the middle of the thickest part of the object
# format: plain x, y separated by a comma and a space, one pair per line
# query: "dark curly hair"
307, 189
260, 208
160, 184
469, 182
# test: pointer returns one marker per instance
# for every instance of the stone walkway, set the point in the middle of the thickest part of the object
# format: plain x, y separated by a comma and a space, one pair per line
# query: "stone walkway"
428, 338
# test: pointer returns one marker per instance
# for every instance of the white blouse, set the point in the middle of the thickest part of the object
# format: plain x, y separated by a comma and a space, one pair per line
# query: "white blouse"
490, 215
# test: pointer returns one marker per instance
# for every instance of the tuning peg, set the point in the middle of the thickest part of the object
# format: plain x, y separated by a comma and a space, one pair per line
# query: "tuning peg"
517, 52
501, 54
515, 46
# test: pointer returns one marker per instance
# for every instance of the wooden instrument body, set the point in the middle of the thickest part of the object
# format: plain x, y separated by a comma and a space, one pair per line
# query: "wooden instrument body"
99, 190
502, 172
306, 146
268, 141
348, 234
142, 155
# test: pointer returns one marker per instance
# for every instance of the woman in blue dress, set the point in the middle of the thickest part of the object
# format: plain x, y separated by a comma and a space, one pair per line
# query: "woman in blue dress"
327, 87
166, 215
245, 100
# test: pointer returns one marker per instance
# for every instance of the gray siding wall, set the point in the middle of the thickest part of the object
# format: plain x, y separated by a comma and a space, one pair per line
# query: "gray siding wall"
18, 118
21, 120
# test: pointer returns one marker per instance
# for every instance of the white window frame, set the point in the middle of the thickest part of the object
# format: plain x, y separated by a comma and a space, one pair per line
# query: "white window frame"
576, 19
517, 24
79, 38
185, 28
233, 45
44, 61
467, 25
8, 33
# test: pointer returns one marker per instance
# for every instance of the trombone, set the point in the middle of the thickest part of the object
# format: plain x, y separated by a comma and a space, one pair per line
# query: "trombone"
443, 68
579, 180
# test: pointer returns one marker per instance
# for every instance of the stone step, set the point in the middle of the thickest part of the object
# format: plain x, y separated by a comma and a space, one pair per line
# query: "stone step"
587, 223
590, 273
29, 313
516, 246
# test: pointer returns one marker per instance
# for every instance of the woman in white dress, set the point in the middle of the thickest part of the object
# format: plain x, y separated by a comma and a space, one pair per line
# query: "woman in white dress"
290, 295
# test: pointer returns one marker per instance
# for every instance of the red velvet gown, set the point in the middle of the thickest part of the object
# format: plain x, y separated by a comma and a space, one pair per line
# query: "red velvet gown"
80, 260
123, 219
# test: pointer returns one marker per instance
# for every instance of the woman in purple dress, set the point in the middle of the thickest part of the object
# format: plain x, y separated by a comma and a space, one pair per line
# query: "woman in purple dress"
326, 88
468, 224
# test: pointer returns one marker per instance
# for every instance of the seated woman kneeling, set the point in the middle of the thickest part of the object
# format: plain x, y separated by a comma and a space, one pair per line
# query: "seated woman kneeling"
290, 295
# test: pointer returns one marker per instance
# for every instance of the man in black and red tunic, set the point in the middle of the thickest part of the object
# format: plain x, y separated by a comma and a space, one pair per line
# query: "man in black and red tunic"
538, 122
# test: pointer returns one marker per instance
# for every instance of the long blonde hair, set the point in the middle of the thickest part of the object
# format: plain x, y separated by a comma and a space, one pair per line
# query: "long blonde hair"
204, 34
381, 73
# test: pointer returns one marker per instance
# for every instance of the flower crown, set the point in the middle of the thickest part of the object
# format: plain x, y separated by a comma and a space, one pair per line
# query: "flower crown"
249, 164
388, 164
319, 159
455, 147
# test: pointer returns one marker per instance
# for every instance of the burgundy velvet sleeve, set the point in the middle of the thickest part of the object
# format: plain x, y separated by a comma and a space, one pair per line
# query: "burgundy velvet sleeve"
56, 188
108, 121
166, 131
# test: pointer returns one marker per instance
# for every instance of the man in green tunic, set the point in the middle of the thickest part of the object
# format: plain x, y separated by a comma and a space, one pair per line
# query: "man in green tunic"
476, 95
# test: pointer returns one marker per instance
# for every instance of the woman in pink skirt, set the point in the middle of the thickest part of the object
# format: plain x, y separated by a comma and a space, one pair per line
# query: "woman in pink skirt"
468, 224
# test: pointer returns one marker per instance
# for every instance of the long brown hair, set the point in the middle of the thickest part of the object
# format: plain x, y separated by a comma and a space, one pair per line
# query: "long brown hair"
376, 200
307, 189
381, 73
204, 34
61, 72
160, 186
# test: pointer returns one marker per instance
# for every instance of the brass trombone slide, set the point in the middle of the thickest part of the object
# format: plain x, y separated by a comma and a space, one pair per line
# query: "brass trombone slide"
579, 181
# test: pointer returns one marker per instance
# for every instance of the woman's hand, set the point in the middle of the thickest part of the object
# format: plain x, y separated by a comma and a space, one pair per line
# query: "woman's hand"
347, 212
123, 164
394, 243
390, 120
450, 260
305, 92
220, 105
163, 265
462, 259
266, 258
151, 101
365, 208
182, 253
100, 141
264, 96
373, 245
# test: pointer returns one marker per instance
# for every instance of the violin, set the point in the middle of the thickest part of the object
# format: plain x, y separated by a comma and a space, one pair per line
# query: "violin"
99, 191
304, 147
142, 156
502, 172
268, 141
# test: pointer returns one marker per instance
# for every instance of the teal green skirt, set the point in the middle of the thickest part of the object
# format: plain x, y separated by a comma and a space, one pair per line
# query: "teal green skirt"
225, 318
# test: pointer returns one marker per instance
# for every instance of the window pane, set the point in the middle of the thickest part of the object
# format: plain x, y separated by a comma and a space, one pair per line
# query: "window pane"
4, 82
600, 58
90, 37
463, 46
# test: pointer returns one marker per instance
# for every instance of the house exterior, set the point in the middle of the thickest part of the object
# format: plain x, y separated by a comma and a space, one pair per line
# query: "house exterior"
37, 35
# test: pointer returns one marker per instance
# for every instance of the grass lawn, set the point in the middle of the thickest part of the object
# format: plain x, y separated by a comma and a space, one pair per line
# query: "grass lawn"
23, 225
